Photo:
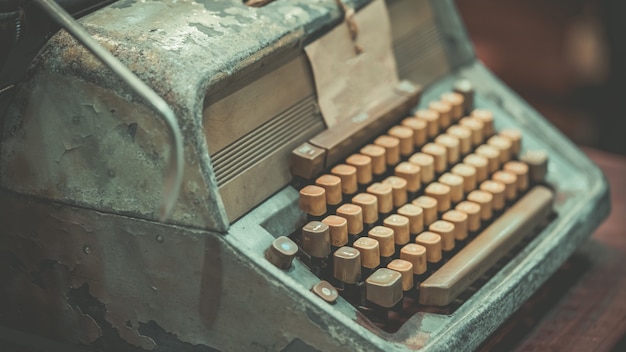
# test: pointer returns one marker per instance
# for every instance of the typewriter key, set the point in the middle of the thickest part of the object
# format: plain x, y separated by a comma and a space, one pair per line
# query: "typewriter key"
480, 163
497, 190
441, 193
369, 205
377, 155
392, 148
473, 214
405, 268
419, 127
354, 216
459, 220
416, 255
504, 145
456, 101
515, 136
347, 174
370, 253
400, 226
432, 242
439, 153
316, 239
338, 229
415, 215
477, 128
468, 173
455, 182
520, 169
332, 186
444, 229
464, 135
405, 136
484, 199
363, 165
281, 252
313, 200
465, 88
427, 166
486, 117
429, 206
347, 265
432, 121
509, 180
452, 147
398, 190
537, 161
445, 113
492, 154
411, 173
325, 291
384, 288
385, 237
383, 193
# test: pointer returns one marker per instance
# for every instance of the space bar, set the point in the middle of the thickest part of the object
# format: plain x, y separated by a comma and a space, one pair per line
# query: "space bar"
470, 263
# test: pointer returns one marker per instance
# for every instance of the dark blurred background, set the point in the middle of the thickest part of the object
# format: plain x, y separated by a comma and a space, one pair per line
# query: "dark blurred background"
567, 58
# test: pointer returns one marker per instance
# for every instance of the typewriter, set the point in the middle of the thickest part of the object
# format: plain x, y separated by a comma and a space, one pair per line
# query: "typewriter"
313, 215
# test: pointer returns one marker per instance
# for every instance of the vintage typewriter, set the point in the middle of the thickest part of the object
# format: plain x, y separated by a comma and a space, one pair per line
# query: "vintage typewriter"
316, 212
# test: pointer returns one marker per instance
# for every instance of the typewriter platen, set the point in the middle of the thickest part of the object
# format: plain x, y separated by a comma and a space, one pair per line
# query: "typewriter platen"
82, 162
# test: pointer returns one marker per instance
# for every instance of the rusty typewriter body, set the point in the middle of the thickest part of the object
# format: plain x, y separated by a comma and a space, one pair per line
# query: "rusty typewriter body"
85, 260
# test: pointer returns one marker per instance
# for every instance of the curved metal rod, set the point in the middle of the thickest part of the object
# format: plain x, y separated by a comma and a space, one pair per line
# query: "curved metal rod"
174, 171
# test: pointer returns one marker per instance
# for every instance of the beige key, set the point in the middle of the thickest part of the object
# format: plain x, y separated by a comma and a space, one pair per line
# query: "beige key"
455, 100
332, 185
281, 252
427, 165
465, 88
468, 173
354, 216
504, 144
383, 193
520, 169
347, 174
384, 287
385, 238
476, 126
492, 154
411, 173
377, 155
486, 117
363, 164
459, 220
338, 229
441, 193
432, 121
497, 190
307, 160
392, 148
370, 252
432, 242
419, 127
473, 214
484, 199
445, 112
452, 147
537, 161
369, 206
405, 268
415, 215
509, 180
325, 291
416, 255
400, 226
405, 136
480, 163
464, 135
316, 239
439, 153
347, 265
515, 136
429, 207
398, 190
470, 263
313, 200
455, 182
445, 229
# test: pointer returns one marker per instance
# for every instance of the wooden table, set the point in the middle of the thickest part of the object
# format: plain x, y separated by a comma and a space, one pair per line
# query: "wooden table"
582, 307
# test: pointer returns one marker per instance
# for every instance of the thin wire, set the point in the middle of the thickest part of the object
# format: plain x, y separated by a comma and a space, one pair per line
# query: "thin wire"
174, 170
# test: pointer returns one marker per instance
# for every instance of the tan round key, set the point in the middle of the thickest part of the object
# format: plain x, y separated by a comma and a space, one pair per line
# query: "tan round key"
509, 180
316, 239
465, 88
313, 200
392, 148
377, 155
385, 238
484, 199
338, 229
416, 255
439, 153
432, 121
456, 101
515, 136
419, 127
468, 173
347, 174
520, 169
427, 165
497, 190
325, 291
383, 193
451, 143
281, 252
455, 182
354, 216
473, 214
492, 154
477, 128
411, 173
486, 117
405, 268
400, 226
405, 136
369, 206
459, 220
347, 265
415, 215
429, 206
445, 229
398, 190
445, 112
363, 164
537, 161
441, 193
504, 144
370, 252
464, 135
432, 242
332, 185
480, 163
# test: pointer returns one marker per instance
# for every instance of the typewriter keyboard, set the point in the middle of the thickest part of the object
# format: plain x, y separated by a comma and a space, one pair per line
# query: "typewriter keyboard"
417, 218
